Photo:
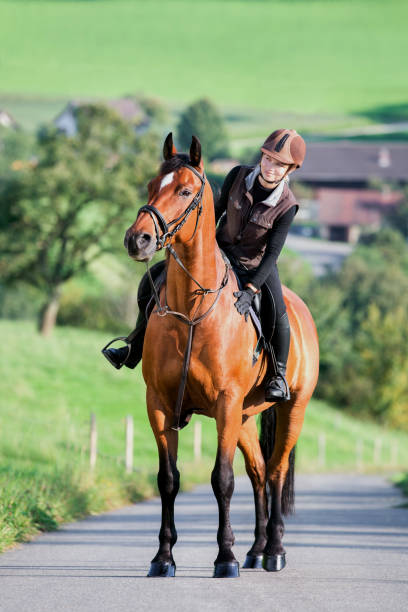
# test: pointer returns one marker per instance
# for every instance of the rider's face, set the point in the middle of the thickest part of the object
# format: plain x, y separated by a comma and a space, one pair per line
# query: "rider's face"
272, 170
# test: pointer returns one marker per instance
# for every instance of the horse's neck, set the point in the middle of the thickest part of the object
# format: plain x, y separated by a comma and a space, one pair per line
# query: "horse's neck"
201, 257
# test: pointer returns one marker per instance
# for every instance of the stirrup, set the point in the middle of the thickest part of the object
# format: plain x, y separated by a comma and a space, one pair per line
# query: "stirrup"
283, 398
129, 347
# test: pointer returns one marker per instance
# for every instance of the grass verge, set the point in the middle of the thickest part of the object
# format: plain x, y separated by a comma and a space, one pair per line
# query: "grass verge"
401, 480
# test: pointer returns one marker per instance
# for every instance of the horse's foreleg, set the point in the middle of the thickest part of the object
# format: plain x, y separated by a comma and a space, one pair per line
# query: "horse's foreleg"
255, 466
229, 419
168, 479
289, 420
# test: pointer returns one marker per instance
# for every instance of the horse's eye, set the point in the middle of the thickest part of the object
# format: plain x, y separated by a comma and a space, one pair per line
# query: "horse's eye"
185, 193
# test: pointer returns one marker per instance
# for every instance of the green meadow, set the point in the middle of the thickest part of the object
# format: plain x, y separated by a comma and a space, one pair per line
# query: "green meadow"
49, 388
318, 57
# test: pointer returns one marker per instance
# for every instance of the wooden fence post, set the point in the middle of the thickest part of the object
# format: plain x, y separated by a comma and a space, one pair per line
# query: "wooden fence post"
93, 450
129, 444
197, 440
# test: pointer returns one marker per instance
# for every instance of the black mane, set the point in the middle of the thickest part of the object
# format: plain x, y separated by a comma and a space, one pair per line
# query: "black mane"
174, 163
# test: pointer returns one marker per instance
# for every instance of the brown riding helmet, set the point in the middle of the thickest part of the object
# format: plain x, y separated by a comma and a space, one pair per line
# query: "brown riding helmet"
286, 146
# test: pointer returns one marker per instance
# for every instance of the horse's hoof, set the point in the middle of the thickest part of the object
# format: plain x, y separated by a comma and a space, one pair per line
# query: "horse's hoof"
228, 569
159, 569
253, 562
273, 563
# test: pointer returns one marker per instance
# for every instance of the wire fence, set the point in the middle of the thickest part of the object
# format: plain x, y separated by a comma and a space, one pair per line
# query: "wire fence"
316, 451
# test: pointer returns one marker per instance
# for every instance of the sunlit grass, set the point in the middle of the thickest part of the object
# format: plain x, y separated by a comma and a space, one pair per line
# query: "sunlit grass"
308, 57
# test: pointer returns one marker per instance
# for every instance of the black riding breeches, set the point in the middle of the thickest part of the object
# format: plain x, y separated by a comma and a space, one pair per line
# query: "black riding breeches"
275, 287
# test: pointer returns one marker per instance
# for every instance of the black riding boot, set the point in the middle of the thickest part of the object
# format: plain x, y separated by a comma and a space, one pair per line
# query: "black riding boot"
277, 389
131, 354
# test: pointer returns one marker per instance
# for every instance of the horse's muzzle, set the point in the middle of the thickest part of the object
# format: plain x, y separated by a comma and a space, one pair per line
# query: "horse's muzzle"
141, 246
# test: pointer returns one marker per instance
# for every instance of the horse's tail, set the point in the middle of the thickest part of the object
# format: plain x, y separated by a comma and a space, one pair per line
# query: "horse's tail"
267, 441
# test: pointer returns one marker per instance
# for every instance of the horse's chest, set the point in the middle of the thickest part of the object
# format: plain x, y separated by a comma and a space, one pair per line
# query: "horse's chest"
168, 356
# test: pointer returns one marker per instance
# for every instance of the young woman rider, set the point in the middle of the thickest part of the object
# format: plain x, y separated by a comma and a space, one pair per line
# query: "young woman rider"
255, 210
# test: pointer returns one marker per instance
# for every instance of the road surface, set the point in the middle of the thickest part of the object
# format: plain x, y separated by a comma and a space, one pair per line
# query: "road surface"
347, 549
323, 255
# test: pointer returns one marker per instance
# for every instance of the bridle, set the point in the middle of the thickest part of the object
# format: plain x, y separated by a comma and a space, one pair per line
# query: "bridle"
160, 222
163, 241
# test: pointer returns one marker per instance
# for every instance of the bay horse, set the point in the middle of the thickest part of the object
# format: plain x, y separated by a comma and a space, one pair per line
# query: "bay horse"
218, 378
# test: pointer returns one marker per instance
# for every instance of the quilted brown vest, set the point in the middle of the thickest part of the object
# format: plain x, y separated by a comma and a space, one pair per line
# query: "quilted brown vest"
244, 232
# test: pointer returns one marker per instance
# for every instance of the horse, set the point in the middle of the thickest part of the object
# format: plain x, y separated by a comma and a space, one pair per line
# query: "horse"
215, 366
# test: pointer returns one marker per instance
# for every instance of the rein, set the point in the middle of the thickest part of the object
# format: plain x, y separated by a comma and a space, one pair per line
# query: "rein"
162, 311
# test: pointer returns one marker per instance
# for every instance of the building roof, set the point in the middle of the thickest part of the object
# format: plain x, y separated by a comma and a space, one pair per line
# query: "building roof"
345, 161
128, 108
354, 206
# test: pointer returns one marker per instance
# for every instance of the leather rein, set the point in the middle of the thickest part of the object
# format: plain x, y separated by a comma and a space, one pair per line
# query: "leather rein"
163, 241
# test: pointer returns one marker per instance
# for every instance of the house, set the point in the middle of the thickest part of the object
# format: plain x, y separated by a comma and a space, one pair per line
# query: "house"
7, 121
127, 108
343, 177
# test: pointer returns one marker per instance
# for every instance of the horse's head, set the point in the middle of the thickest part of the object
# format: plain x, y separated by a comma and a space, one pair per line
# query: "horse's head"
173, 196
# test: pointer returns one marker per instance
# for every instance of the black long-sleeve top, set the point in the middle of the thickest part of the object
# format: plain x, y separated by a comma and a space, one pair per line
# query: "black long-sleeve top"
276, 235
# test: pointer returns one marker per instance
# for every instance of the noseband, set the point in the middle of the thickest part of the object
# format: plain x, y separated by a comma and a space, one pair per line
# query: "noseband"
160, 222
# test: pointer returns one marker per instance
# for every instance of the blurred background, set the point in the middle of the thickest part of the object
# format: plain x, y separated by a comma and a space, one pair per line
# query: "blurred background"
88, 91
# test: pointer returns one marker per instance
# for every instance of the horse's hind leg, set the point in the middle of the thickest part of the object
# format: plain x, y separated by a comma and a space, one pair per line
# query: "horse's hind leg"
168, 479
229, 419
280, 472
255, 466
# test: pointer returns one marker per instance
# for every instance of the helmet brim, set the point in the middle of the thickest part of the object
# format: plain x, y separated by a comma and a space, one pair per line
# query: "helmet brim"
280, 158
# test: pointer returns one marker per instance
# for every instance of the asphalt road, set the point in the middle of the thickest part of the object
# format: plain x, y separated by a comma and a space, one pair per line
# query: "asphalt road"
347, 549
323, 255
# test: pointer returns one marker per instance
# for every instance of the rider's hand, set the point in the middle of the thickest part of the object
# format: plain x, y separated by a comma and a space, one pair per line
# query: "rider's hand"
244, 301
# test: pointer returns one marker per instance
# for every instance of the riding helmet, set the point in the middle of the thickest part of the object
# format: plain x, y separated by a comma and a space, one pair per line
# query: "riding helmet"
286, 146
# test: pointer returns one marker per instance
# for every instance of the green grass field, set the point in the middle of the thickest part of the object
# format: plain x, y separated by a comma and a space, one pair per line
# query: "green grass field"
317, 57
48, 389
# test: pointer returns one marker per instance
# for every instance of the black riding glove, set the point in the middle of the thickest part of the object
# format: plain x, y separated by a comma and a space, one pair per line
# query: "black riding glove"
244, 301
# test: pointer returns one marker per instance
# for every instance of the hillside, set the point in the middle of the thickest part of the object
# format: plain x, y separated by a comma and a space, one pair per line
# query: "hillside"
317, 57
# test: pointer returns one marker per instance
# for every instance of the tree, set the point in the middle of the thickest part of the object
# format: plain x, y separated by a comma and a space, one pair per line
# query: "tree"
74, 203
16, 145
398, 217
360, 314
204, 121
382, 343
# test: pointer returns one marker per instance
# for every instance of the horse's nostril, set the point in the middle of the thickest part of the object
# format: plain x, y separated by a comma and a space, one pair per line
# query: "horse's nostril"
143, 240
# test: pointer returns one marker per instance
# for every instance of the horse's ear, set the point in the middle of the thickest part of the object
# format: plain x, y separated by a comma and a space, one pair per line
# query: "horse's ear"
169, 150
195, 152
